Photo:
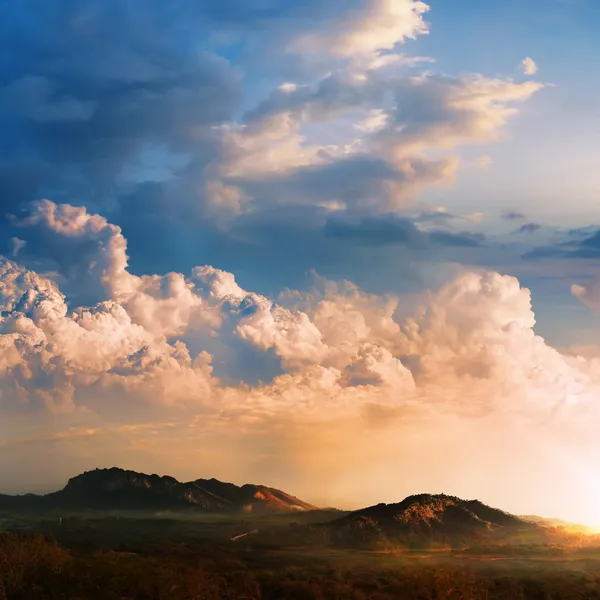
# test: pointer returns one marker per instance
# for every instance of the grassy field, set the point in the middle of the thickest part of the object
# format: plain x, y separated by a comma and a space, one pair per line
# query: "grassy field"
110, 558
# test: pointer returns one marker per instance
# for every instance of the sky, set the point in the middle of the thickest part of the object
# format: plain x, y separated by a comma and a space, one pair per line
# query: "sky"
347, 248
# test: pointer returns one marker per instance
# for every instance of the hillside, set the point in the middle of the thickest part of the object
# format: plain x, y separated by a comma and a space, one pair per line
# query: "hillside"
431, 520
118, 489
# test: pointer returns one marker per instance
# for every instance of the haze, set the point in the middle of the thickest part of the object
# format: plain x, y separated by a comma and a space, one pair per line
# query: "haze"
346, 249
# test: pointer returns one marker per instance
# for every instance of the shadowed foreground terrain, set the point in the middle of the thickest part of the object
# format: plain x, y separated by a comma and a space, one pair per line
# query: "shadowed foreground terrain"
271, 557
36, 567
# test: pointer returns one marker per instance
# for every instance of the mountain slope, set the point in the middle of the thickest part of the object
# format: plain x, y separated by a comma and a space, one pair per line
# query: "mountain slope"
426, 520
564, 525
118, 489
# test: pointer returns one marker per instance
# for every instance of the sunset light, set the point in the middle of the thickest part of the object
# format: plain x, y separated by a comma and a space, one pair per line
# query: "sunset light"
340, 253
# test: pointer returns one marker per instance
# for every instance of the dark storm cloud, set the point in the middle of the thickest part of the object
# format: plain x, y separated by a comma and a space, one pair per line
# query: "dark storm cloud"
86, 86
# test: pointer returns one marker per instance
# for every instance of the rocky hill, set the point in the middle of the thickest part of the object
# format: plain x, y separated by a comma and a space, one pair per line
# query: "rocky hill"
431, 520
420, 521
118, 489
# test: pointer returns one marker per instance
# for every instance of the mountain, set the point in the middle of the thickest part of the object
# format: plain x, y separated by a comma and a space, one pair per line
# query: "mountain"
431, 520
118, 489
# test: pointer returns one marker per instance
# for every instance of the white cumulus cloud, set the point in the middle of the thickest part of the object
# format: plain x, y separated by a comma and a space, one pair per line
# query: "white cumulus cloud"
374, 25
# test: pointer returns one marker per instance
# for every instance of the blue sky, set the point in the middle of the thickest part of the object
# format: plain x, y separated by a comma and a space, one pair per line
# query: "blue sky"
562, 38
256, 219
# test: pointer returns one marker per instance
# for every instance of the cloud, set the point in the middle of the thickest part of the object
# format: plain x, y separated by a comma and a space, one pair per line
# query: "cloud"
480, 324
528, 228
581, 243
464, 365
154, 117
477, 331
104, 120
88, 89
446, 112
483, 162
29, 97
50, 351
513, 215
268, 160
589, 294
375, 25
529, 67
430, 111
391, 229
16, 245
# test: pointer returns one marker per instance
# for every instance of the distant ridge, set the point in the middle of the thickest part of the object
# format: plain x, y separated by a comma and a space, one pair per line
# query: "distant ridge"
119, 489
560, 524
418, 521
426, 519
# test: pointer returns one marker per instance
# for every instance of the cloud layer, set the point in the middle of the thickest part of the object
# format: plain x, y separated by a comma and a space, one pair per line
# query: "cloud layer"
175, 134
476, 331
466, 360
98, 119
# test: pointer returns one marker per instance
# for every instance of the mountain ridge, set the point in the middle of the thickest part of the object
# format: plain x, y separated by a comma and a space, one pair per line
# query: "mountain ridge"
121, 489
420, 521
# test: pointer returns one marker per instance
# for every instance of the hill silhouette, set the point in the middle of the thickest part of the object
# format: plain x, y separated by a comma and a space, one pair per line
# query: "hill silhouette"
425, 520
119, 489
